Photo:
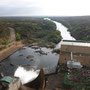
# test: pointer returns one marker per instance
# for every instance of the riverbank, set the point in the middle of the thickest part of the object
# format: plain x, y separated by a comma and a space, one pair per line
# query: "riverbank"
10, 50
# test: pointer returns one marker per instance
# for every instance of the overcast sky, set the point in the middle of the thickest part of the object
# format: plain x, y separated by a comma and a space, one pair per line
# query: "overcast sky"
44, 7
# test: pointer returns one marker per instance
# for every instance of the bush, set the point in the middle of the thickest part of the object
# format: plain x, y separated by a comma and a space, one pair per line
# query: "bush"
30, 41
56, 51
5, 42
18, 37
1, 48
52, 45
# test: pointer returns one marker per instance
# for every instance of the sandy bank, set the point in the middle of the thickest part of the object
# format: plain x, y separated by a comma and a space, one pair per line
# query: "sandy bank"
8, 51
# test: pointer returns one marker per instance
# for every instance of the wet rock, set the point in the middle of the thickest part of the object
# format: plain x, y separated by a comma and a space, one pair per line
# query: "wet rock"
0, 64
35, 47
34, 44
41, 52
31, 60
24, 48
28, 65
29, 56
11, 64
21, 55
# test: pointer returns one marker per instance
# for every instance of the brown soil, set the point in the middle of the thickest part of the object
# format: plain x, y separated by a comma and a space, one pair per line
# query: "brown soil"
25, 88
9, 50
55, 81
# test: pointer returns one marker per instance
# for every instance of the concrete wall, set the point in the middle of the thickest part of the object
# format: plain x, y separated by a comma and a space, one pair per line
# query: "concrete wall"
12, 37
81, 54
75, 49
15, 85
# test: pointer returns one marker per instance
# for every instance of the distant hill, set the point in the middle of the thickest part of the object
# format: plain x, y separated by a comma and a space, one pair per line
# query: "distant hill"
79, 26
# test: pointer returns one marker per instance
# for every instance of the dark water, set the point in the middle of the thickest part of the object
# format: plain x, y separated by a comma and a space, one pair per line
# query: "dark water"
27, 57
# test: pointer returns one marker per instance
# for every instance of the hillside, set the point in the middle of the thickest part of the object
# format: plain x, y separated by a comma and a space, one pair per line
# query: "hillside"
34, 30
4, 30
78, 26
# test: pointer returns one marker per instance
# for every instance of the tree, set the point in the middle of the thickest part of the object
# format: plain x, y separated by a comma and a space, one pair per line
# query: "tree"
5, 42
18, 37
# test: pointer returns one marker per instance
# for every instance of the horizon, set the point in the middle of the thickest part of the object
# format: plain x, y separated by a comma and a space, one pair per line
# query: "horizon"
48, 16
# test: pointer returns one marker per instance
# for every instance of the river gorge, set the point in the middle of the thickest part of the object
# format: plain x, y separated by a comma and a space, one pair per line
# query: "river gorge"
29, 57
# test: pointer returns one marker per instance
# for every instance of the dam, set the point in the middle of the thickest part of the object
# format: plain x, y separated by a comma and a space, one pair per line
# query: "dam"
80, 49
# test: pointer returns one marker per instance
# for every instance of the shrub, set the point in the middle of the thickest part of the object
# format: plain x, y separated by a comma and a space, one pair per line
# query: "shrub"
52, 45
5, 42
56, 51
18, 37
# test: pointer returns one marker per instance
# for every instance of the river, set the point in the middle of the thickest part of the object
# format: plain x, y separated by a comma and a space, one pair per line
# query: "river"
64, 32
28, 57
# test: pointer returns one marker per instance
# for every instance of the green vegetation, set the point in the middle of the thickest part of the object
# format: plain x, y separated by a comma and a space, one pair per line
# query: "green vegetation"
18, 37
5, 42
4, 31
56, 51
78, 26
38, 31
52, 45
31, 30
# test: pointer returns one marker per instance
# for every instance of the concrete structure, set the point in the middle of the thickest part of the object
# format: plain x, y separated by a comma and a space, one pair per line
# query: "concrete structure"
12, 37
80, 49
10, 83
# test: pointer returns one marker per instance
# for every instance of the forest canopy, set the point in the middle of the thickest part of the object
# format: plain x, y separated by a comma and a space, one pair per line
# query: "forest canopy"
32, 30
79, 26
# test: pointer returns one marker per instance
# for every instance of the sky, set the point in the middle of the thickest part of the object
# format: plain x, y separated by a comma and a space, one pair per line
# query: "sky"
44, 7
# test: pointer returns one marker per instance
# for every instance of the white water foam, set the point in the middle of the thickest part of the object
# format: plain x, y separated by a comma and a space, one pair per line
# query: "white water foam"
26, 76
